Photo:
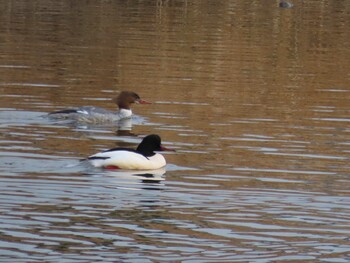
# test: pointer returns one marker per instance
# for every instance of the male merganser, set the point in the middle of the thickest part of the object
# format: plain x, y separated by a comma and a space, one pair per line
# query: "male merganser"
91, 114
143, 158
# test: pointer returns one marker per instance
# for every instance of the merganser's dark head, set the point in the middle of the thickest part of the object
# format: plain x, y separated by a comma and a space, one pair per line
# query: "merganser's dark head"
150, 144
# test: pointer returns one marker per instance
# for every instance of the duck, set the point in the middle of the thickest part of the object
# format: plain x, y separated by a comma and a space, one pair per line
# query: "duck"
285, 4
91, 114
143, 158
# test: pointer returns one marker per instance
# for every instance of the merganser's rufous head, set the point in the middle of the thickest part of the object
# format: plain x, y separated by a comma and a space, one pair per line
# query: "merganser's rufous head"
126, 98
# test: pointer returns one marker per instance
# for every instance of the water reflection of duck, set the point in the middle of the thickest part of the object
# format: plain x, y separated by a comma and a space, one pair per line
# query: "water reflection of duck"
146, 176
124, 127
285, 4
91, 114
143, 158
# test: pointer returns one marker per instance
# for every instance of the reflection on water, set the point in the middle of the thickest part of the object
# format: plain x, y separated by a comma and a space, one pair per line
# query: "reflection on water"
253, 97
122, 127
145, 176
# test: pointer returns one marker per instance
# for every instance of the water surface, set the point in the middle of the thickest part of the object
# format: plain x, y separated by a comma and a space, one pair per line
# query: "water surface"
253, 98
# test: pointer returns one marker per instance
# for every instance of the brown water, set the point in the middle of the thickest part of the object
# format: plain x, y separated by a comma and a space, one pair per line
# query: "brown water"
255, 100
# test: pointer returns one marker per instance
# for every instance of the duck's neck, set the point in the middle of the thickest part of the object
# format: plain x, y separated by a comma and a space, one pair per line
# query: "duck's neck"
123, 105
145, 151
124, 113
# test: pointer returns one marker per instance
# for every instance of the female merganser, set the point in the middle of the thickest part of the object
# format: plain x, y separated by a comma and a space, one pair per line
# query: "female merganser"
143, 158
91, 114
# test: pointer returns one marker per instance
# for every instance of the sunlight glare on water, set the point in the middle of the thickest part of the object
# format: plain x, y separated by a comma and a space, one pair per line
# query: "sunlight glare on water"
253, 98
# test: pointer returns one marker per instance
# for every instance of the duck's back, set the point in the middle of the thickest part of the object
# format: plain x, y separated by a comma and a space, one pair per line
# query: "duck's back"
91, 114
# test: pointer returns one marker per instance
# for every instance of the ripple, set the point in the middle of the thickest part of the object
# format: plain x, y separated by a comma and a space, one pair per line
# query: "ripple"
30, 84
261, 169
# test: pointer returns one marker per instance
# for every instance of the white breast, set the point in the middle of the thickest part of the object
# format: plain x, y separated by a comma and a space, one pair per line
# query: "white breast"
128, 160
124, 113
